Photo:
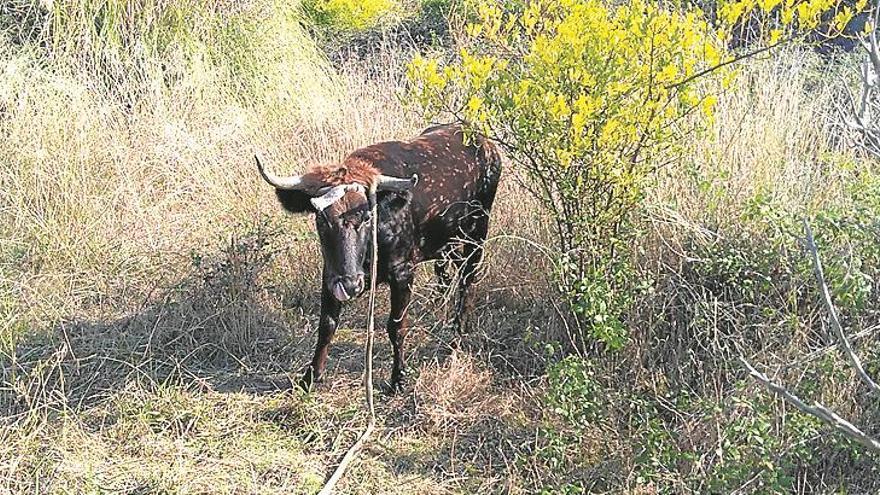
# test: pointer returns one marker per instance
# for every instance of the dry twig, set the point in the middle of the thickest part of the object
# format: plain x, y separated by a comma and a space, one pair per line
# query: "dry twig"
860, 115
832, 313
817, 410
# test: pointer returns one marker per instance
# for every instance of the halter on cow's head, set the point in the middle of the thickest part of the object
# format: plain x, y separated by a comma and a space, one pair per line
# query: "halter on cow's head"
340, 198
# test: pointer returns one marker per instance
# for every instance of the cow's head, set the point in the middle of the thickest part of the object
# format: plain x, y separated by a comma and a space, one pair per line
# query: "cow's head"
340, 199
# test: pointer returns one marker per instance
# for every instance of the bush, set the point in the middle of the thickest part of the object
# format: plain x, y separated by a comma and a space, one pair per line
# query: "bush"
573, 391
847, 235
588, 98
757, 447
348, 15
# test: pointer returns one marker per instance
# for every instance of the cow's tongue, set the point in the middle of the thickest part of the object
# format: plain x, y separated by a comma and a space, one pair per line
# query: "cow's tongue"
339, 292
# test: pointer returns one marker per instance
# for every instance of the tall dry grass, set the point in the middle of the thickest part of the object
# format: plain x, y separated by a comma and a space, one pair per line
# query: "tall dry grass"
133, 229
774, 134
109, 181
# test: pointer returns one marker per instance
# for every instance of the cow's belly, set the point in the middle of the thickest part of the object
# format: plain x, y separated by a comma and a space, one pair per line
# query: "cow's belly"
448, 224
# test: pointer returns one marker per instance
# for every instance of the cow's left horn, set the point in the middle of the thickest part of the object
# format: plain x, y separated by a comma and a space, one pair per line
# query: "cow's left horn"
388, 183
294, 182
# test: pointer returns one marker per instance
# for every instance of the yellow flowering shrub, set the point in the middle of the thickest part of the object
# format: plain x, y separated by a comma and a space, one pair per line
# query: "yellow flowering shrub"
587, 97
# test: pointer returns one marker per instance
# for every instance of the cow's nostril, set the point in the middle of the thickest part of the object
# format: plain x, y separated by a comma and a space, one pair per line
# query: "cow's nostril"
352, 285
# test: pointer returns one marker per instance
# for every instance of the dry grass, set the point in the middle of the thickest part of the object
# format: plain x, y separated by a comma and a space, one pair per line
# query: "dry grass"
456, 394
156, 304
773, 134
104, 194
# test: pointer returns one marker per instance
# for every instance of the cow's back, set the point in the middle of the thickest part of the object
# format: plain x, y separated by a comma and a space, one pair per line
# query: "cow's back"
457, 181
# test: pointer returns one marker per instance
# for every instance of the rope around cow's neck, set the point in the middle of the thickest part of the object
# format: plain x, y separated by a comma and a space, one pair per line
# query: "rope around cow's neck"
368, 358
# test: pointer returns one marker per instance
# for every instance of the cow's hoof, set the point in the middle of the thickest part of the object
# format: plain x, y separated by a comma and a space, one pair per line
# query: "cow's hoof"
399, 383
308, 380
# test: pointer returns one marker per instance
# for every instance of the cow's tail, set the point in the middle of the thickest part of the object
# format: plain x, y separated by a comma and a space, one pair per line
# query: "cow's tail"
490, 156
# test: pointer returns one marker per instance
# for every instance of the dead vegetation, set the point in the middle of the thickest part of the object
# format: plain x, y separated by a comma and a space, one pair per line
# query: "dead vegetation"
456, 393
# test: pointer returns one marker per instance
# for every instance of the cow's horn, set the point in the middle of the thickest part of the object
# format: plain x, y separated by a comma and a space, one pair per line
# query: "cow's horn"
388, 183
292, 182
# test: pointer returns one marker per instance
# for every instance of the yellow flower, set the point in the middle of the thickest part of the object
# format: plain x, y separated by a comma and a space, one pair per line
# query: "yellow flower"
708, 105
474, 104
668, 73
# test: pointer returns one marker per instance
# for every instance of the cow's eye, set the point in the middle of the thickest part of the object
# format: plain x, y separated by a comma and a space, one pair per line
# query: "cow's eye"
363, 220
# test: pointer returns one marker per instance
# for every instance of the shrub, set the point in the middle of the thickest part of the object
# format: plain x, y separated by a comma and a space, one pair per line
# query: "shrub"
588, 98
757, 447
348, 15
573, 391
847, 234
775, 20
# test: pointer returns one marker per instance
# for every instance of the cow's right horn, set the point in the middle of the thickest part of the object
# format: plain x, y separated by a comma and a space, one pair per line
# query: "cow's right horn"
293, 182
388, 183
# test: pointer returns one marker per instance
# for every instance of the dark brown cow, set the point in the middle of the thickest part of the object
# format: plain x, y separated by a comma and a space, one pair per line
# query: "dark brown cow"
434, 195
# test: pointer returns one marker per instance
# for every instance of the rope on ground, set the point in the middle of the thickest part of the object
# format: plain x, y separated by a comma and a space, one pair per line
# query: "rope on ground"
368, 358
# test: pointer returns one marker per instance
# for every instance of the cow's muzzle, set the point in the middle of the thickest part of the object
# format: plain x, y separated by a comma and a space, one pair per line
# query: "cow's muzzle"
347, 287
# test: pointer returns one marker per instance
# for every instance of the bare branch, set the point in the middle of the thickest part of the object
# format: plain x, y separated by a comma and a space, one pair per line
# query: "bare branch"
861, 118
864, 111
832, 313
729, 61
873, 47
817, 410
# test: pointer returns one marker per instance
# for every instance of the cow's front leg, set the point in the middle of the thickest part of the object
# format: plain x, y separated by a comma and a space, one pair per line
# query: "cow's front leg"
401, 293
330, 309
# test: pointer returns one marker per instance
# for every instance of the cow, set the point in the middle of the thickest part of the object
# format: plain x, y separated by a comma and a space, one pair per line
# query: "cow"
434, 194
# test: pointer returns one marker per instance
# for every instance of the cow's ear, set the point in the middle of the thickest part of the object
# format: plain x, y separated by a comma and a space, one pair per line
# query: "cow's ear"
295, 201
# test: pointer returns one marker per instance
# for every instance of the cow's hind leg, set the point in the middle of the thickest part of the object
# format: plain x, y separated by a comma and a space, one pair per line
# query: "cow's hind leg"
472, 255
330, 309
